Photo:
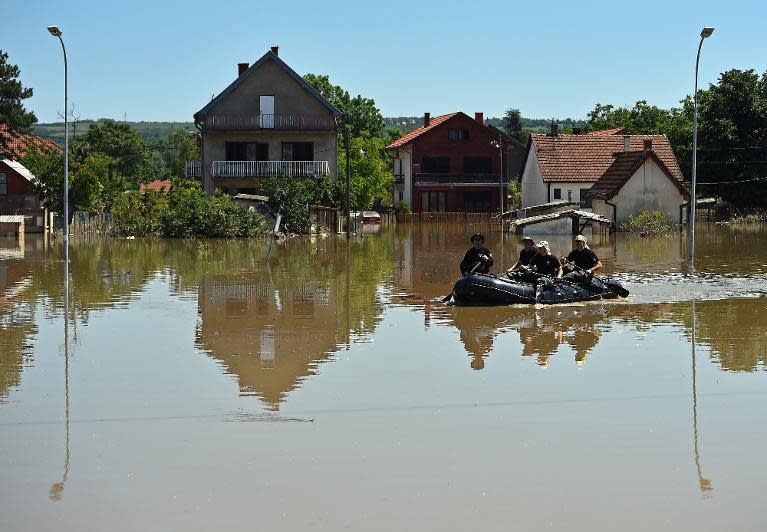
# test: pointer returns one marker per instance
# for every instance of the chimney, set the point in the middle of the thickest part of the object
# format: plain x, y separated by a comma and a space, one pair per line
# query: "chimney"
647, 145
553, 129
426, 119
241, 68
275, 50
626, 143
480, 117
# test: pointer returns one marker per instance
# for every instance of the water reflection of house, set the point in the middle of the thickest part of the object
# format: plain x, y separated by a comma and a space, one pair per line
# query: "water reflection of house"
17, 325
269, 336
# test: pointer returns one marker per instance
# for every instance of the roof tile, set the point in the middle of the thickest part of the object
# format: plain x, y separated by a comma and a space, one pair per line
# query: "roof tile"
437, 120
586, 158
14, 144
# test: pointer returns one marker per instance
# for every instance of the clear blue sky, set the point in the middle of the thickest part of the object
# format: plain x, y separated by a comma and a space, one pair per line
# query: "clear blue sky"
162, 60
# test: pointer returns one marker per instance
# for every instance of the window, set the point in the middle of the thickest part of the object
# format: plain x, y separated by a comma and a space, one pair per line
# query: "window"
583, 198
247, 151
458, 134
557, 193
266, 108
297, 151
434, 201
3, 183
477, 165
401, 195
436, 165
476, 201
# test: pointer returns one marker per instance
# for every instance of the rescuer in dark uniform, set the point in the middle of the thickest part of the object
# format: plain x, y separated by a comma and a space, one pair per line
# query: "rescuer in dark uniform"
478, 255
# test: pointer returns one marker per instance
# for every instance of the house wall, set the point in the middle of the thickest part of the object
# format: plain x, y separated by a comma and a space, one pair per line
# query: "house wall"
402, 166
325, 145
534, 190
649, 189
566, 186
436, 143
17, 184
289, 98
21, 199
270, 80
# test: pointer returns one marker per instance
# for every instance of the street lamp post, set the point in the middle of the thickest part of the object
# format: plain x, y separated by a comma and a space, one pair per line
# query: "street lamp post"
706, 32
56, 32
499, 144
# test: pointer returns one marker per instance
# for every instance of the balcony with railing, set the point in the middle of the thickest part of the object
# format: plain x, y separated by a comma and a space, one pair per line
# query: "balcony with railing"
270, 169
432, 178
193, 169
277, 122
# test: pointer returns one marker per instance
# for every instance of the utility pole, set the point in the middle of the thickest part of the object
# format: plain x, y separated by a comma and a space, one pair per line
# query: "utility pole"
348, 181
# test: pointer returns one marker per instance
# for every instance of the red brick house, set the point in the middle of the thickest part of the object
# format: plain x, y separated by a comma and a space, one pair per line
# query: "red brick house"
454, 163
17, 195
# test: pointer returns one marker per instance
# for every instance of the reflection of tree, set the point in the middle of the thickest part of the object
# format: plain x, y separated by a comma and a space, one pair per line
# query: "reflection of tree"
733, 329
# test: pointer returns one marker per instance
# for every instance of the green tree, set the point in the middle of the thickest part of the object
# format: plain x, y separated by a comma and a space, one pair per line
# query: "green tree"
47, 165
371, 176
361, 114
512, 125
131, 158
12, 94
182, 149
732, 138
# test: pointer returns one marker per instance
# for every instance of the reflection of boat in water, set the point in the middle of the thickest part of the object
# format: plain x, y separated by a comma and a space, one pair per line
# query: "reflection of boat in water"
516, 288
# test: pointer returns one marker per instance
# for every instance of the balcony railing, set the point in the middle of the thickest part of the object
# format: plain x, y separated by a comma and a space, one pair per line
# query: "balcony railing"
458, 179
290, 122
193, 169
270, 168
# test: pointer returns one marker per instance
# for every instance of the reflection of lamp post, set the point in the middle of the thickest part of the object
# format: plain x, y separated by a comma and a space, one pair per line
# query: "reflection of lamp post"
703, 483
56, 32
703, 34
57, 489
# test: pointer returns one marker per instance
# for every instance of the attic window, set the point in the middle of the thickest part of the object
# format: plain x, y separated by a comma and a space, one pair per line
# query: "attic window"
458, 134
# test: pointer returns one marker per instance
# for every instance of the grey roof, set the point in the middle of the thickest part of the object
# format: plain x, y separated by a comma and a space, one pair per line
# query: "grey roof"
268, 56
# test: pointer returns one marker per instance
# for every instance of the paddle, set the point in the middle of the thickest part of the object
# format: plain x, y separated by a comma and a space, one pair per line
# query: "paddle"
613, 285
447, 297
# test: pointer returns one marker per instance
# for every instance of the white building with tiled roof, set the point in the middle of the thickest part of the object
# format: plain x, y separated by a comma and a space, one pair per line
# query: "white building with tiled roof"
566, 167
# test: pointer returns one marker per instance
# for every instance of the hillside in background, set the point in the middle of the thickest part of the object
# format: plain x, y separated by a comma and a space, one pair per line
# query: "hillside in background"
156, 132
151, 132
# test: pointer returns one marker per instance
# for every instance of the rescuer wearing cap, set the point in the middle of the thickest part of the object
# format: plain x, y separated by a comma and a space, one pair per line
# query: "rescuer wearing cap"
583, 256
478, 259
526, 254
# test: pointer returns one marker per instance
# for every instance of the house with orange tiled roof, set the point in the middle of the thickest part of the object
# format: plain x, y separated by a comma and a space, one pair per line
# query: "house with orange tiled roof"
615, 174
17, 195
454, 163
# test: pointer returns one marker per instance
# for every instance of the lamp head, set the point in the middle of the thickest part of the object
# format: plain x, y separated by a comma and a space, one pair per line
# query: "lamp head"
707, 31
55, 31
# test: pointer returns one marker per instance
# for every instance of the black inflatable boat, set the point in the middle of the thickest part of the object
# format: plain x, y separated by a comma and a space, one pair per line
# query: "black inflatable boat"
523, 287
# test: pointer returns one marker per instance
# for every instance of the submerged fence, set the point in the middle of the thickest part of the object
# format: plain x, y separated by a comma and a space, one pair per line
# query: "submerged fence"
448, 217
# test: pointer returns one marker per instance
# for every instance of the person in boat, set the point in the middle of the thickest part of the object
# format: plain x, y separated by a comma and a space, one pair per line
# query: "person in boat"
545, 263
478, 256
526, 254
583, 256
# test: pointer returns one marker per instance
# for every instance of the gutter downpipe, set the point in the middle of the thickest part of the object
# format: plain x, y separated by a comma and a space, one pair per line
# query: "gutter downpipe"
201, 127
615, 213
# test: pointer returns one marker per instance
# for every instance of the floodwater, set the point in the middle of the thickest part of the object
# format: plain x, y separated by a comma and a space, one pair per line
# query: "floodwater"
191, 387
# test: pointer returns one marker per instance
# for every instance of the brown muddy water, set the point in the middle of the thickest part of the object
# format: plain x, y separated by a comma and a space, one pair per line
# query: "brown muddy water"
192, 387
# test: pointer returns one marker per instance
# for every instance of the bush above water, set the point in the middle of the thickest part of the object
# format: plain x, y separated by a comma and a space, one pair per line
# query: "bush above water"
649, 223
185, 211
